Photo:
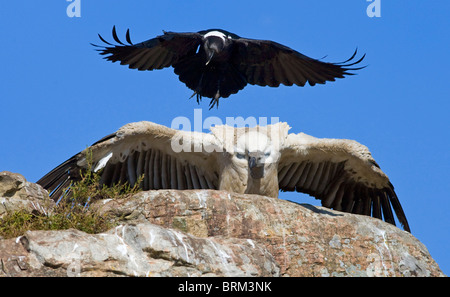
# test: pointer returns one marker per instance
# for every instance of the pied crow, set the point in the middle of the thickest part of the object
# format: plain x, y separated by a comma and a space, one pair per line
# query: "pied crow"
215, 63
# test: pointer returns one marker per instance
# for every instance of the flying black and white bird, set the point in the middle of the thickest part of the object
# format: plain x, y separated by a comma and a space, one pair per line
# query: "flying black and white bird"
261, 160
216, 63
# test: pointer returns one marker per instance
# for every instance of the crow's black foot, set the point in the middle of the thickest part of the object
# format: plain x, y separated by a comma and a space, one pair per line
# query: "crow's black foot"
199, 97
214, 101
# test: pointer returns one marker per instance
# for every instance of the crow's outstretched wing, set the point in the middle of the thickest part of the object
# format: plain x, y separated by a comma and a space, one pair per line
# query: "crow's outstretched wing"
267, 63
156, 53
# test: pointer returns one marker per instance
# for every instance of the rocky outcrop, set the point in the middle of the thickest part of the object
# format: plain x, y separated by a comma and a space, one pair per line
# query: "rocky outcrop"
16, 193
133, 250
216, 233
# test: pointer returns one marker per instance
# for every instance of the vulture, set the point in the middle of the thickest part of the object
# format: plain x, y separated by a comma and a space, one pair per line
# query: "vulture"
215, 63
261, 160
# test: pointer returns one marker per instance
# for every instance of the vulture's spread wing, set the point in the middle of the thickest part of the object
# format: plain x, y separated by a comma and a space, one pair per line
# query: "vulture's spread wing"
167, 159
341, 173
267, 63
156, 53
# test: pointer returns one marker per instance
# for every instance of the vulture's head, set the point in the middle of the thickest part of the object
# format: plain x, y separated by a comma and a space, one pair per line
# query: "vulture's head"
255, 151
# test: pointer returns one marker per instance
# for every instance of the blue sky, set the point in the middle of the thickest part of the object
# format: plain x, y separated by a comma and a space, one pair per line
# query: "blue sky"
57, 95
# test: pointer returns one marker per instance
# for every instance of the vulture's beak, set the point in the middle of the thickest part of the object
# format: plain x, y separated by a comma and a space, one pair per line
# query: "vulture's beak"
256, 165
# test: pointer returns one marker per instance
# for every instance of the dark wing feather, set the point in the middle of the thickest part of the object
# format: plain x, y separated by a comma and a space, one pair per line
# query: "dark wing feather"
61, 177
267, 63
156, 53
58, 180
342, 174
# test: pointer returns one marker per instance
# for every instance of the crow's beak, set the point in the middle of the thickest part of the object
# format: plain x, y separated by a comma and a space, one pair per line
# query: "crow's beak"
211, 55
